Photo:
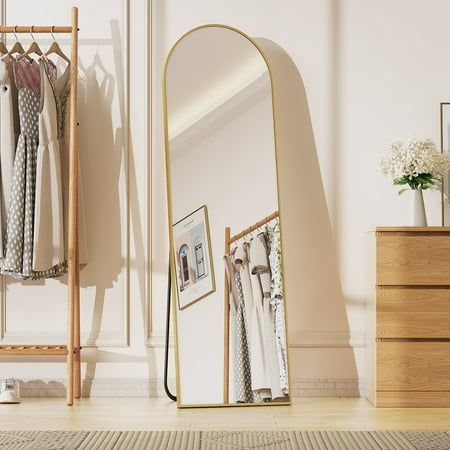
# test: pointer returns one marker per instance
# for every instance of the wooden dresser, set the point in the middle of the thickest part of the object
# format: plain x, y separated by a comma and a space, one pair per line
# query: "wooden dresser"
409, 318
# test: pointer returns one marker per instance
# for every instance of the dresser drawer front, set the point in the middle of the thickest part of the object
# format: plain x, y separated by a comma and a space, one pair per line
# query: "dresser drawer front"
413, 366
413, 399
413, 259
404, 312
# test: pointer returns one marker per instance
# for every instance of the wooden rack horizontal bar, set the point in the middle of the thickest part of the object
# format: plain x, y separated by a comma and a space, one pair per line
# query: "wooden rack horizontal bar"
33, 350
254, 227
34, 29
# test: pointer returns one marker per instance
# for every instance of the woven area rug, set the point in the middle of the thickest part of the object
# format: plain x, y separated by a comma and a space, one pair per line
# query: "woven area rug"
223, 440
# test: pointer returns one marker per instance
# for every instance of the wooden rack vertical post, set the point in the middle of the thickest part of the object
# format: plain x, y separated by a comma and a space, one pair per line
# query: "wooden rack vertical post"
226, 306
73, 347
73, 341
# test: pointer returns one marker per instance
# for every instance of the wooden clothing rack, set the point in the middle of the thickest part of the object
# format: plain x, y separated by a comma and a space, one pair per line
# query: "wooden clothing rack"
228, 241
72, 348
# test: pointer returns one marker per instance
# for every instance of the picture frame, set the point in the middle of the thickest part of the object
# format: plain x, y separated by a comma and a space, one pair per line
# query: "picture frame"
194, 268
445, 147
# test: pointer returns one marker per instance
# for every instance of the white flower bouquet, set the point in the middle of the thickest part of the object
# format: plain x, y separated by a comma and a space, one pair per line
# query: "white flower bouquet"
417, 164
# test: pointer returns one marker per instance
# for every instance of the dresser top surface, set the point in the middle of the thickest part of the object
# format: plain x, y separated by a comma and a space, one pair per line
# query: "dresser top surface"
403, 229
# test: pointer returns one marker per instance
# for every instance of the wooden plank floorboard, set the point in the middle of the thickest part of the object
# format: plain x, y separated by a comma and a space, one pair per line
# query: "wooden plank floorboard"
161, 414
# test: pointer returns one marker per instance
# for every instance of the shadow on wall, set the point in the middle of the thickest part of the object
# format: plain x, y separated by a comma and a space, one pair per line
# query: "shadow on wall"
97, 91
315, 302
112, 154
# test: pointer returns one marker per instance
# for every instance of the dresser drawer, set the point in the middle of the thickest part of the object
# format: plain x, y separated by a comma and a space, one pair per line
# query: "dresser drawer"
413, 366
404, 312
413, 399
413, 258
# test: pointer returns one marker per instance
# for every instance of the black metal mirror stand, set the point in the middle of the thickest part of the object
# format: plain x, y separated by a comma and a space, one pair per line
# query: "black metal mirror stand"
166, 350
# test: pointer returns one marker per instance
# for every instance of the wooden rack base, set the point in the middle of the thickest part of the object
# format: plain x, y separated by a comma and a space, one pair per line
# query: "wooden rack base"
72, 349
33, 350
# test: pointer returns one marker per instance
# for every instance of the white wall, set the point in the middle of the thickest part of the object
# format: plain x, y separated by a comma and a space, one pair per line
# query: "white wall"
374, 72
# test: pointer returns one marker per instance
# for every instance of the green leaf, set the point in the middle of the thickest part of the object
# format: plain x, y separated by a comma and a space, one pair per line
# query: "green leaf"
401, 180
400, 192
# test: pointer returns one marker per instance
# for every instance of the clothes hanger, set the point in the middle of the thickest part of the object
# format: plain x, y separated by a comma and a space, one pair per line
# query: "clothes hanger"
16, 48
3, 49
56, 49
34, 47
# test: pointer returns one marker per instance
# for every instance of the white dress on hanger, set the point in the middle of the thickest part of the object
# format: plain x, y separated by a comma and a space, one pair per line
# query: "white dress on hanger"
251, 286
59, 137
9, 132
48, 242
261, 276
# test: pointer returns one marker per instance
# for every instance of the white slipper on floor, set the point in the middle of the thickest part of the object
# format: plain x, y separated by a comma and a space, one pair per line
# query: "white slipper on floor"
9, 391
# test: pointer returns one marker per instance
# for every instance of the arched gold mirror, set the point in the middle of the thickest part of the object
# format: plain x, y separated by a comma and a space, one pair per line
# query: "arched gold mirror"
224, 222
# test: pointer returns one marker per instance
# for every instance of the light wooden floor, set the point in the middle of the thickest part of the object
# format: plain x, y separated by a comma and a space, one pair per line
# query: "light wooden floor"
161, 414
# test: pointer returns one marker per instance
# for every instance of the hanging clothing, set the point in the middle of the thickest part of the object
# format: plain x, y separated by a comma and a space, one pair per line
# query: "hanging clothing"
258, 357
48, 240
260, 270
241, 353
9, 133
20, 223
241, 265
277, 303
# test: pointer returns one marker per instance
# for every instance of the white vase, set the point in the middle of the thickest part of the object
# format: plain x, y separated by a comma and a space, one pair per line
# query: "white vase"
416, 210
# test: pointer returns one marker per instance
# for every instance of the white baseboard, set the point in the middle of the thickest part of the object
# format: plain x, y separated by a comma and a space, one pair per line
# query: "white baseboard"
338, 387
320, 339
145, 388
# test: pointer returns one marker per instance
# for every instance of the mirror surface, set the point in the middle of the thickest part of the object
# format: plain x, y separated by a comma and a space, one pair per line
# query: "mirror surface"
222, 184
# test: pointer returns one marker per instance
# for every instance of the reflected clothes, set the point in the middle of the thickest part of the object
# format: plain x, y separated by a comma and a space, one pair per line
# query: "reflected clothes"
258, 355
277, 302
256, 288
252, 314
242, 373
261, 274
9, 119
241, 265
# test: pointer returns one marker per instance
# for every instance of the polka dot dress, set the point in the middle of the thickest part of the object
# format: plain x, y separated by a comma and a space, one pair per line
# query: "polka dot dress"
20, 220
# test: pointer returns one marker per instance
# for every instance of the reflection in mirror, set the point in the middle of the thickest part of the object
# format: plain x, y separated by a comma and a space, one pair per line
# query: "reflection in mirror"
225, 224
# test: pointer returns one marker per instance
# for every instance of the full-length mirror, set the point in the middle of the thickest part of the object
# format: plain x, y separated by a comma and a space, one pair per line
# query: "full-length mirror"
224, 222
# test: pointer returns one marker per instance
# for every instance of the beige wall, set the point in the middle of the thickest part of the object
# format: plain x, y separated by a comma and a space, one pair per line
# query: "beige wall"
373, 71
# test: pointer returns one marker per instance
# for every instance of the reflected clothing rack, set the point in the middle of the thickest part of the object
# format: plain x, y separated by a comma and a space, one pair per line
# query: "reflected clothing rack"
228, 241
72, 348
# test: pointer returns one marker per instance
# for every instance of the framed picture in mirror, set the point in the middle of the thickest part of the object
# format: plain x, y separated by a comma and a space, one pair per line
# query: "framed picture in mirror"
193, 259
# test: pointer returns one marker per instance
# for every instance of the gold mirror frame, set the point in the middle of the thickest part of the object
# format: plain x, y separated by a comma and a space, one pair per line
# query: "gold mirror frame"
170, 222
